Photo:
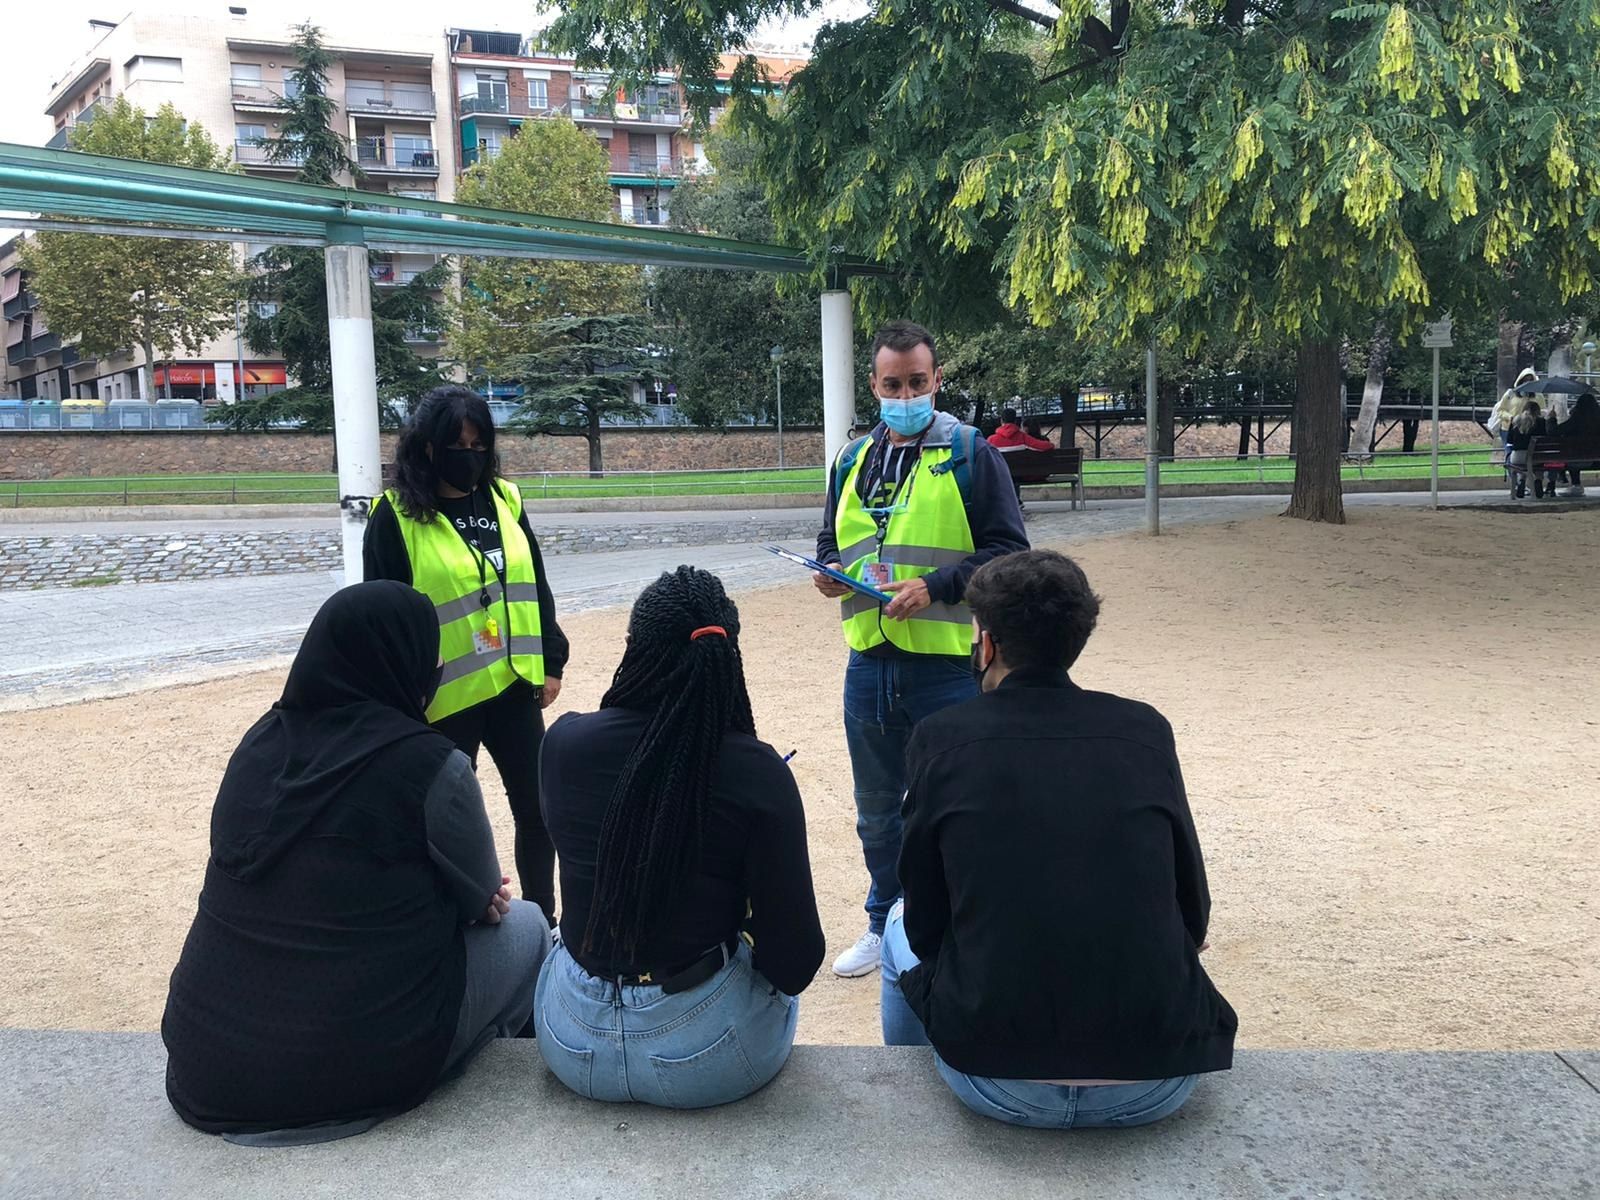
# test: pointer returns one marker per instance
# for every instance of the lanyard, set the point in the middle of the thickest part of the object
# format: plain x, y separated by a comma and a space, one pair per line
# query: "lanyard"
899, 499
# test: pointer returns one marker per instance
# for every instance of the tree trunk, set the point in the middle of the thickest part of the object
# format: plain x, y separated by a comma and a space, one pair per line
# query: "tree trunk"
596, 470
1408, 435
1069, 418
1505, 358
1244, 436
147, 372
1319, 428
1371, 394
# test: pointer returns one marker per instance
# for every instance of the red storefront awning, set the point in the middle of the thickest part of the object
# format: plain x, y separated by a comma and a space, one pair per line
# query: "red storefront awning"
204, 373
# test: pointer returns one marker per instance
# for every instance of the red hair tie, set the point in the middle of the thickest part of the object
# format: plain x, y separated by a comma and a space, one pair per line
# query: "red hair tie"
705, 629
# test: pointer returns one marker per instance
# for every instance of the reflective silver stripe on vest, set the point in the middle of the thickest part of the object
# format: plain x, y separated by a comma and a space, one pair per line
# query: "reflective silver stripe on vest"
955, 614
466, 664
922, 556
859, 550
465, 606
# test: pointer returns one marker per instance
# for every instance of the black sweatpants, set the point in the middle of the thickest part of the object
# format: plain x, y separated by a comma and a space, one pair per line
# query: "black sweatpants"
511, 727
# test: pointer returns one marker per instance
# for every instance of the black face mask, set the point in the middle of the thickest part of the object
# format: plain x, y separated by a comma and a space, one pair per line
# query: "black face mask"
978, 669
462, 469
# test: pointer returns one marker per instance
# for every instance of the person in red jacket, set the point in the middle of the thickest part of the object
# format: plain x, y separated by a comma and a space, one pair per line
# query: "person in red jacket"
1011, 436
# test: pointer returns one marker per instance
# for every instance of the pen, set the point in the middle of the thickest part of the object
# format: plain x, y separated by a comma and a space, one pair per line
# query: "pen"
790, 755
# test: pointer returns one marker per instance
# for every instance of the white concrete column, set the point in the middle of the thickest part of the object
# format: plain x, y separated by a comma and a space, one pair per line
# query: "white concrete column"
838, 371
355, 394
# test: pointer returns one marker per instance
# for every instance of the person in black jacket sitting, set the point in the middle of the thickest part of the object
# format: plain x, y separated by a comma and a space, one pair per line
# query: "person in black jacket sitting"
355, 942
688, 920
1055, 900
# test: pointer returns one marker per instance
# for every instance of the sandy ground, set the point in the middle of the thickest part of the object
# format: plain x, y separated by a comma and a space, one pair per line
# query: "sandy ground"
1388, 731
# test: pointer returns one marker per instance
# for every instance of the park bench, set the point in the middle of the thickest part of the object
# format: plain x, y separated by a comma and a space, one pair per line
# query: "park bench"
1047, 466
85, 1115
1559, 453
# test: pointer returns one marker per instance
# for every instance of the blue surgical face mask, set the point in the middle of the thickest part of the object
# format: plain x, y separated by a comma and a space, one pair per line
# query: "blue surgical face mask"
906, 417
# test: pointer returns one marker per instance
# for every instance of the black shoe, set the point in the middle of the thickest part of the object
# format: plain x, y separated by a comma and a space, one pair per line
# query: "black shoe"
1522, 492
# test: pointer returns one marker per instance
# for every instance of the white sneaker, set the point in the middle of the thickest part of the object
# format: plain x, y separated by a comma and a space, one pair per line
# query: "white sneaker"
860, 959
1572, 493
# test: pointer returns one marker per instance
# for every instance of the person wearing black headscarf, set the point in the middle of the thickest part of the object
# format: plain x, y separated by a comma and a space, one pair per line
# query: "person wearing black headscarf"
354, 942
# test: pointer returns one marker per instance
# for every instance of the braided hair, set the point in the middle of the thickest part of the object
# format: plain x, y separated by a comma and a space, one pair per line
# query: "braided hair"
691, 683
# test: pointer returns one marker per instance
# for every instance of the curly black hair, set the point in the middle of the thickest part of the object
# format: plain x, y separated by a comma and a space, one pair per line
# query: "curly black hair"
437, 423
1037, 606
693, 689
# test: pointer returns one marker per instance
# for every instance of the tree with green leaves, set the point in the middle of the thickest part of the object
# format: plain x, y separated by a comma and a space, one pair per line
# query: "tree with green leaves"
1283, 176
158, 294
579, 373
289, 290
722, 326
556, 169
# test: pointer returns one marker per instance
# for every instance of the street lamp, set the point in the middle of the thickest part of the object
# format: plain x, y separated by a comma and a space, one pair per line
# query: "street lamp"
777, 365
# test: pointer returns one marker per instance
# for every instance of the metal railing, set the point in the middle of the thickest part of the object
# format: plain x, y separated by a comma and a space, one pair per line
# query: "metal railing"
636, 216
92, 415
624, 114
262, 93
748, 481
651, 164
259, 156
375, 154
388, 98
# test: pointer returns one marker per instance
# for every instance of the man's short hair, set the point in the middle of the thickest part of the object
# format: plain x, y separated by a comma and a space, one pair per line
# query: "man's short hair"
901, 336
1037, 606
1008, 415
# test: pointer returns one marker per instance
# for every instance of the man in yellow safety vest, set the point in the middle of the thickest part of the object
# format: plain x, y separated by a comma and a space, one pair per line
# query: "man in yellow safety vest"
913, 508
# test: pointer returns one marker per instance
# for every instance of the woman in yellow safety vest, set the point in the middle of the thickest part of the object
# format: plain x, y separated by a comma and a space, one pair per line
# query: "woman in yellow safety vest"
454, 530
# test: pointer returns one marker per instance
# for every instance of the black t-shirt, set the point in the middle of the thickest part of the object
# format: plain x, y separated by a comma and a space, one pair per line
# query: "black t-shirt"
479, 526
754, 853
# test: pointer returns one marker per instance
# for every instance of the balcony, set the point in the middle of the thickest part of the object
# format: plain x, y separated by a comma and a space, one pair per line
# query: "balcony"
362, 98
501, 105
649, 164
266, 95
386, 273
666, 113
640, 216
250, 155
86, 116
417, 336
377, 157
22, 302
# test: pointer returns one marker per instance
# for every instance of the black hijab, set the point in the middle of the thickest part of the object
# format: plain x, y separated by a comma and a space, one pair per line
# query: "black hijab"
356, 693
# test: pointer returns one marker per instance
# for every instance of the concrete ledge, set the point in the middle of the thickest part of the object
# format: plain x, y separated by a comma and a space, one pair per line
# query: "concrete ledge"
83, 1114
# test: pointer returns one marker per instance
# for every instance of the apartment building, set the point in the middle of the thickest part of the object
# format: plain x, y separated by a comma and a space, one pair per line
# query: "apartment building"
229, 72
648, 135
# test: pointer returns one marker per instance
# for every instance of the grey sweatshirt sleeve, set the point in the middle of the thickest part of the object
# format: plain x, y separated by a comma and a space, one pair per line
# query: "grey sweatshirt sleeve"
460, 842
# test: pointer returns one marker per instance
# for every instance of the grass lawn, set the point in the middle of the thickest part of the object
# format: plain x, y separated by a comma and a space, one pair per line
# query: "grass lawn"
322, 488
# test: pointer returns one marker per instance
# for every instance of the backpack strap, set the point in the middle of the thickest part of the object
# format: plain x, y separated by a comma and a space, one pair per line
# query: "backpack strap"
964, 446
843, 464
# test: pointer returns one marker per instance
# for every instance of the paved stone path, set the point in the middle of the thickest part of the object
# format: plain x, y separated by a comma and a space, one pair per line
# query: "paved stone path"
63, 643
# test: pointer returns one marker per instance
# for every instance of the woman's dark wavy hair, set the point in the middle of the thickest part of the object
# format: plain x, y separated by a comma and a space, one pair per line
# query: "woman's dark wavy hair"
693, 691
437, 423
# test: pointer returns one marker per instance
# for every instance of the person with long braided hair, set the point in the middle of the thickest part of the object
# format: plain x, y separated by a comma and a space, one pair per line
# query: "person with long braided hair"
689, 924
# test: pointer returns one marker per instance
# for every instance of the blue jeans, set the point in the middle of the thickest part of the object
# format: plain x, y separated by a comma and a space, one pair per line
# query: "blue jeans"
1020, 1101
712, 1044
883, 699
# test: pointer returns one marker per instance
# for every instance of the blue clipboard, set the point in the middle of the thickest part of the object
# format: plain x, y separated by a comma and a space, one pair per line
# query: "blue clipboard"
811, 564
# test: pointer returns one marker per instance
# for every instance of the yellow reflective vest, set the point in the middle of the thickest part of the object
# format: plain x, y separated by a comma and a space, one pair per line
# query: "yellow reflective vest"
485, 647
932, 532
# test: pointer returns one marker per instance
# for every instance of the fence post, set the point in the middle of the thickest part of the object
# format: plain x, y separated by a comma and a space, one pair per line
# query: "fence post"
235, 482
125, 484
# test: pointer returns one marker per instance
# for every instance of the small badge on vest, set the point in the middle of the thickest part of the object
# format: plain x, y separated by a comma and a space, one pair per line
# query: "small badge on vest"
487, 640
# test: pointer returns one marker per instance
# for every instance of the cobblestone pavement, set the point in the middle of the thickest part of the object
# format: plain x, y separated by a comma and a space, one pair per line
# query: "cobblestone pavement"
64, 643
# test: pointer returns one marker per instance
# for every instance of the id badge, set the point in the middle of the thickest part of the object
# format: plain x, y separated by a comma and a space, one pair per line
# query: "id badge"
879, 573
487, 640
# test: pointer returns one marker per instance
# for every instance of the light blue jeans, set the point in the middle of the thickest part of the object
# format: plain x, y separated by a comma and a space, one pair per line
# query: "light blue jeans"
712, 1044
884, 698
1020, 1101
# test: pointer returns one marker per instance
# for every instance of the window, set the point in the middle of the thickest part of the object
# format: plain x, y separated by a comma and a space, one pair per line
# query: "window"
149, 69
413, 150
265, 309
247, 135
538, 95
247, 73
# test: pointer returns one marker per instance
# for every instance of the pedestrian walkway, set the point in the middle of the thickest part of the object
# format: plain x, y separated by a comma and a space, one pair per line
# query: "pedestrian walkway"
64, 644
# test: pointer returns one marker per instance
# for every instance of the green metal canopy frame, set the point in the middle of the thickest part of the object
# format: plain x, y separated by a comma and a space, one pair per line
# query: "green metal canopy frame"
64, 189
